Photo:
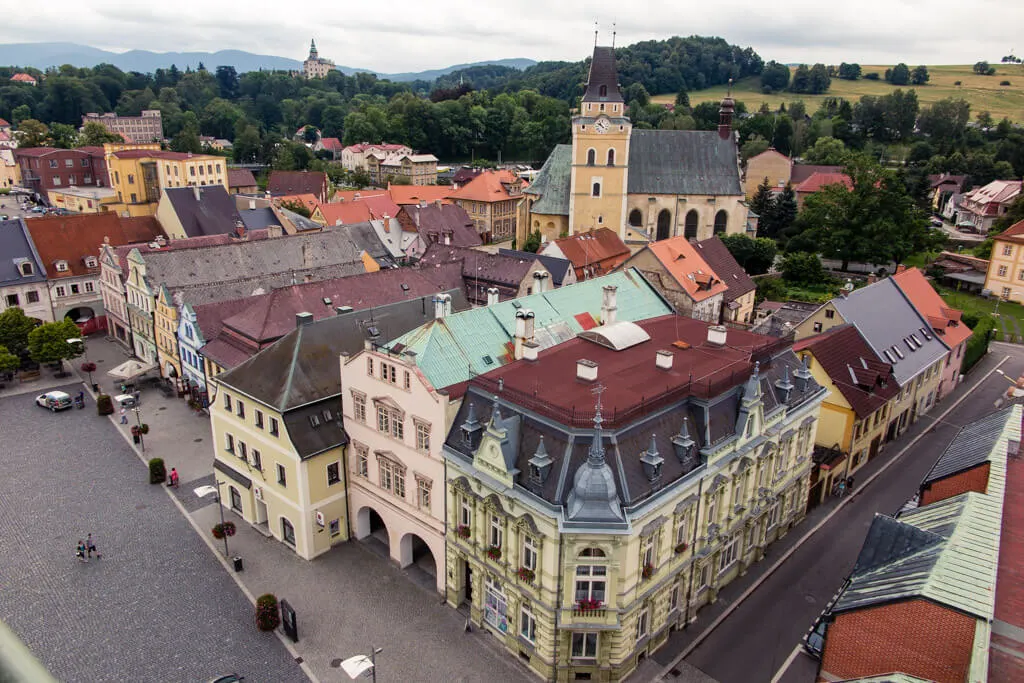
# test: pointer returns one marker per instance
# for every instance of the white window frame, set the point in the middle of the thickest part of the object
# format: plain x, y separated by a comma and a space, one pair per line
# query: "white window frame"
643, 623
591, 582
527, 624
497, 533
531, 552
588, 644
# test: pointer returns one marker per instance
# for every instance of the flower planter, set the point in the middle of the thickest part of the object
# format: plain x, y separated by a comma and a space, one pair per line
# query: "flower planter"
681, 548
222, 530
268, 616
462, 531
648, 571
526, 575
494, 552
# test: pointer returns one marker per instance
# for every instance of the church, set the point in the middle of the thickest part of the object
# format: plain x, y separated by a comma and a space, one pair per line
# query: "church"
645, 184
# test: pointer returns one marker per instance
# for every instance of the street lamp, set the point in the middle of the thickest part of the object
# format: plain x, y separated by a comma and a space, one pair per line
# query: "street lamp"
138, 422
360, 664
202, 492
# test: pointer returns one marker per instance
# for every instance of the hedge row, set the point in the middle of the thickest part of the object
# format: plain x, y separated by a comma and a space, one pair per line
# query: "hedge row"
977, 345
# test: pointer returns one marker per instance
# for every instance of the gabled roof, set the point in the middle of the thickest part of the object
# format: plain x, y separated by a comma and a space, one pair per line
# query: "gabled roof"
1014, 233
414, 194
721, 260
489, 186
945, 321
72, 238
819, 180
865, 381
558, 267
801, 172
454, 349
602, 73
596, 252
892, 327
496, 268
342, 213
973, 445
770, 152
23, 78
310, 202
551, 186
212, 212
16, 246
297, 182
682, 162
349, 195
240, 177
686, 265
332, 144
939, 179
997, 192
438, 223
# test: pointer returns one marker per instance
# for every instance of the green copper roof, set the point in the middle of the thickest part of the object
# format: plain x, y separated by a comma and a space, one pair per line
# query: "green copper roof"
552, 183
462, 345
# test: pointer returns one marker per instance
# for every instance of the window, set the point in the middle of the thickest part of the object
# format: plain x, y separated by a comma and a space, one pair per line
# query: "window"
90, 287
333, 475
773, 515
590, 582
227, 402
1002, 271
87, 179
527, 624
829, 313
257, 461
673, 600
642, 623
817, 327
465, 514
240, 410
26, 268
1007, 250
595, 189
704, 577
53, 163
335, 527
647, 553
362, 461
69, 163
62, 266
495, 606
236, 499
327, 414
287, 532
729, 553
229, 443
683, 529
1006, 293
423, 493
12, 300
392, 476
422, 437
85, 163
359, 407
497, 531
259, 419
529, 559
389, 421
388, 372
273, 426
282, 475
33, 297
591, 157
243, 451
407, 380
75, 289
131, 179
584, 644
712, 510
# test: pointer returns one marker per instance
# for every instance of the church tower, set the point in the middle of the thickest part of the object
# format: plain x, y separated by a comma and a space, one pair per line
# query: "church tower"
600, 151
312, 50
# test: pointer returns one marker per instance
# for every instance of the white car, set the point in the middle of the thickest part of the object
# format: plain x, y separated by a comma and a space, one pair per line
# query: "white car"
54, 400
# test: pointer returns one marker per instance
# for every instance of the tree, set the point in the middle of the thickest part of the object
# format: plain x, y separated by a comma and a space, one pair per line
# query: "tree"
94, 134
48, 342
774, 77
20, 113
15, 327
849, 72
820, 80
763, 199
827, 151
781, 214
945, 121
682, 100
8, 361
803, 268
246, 147
310, 135
227, 82
983, 69
533, 242
919, 76
62, 135
296, 207
898, 75
754, 145
32, 133
801, 79
755, 255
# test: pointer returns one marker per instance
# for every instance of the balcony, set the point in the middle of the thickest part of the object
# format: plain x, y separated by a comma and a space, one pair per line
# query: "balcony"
596, 617
587, 612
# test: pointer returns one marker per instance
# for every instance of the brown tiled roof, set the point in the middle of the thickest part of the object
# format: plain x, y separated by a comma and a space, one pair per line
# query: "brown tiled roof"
944, 320
72, 238
820, 180
297, 182
599, 251
414, 194
802, 172
722, 262
332, 144
688, 268
489, 186
161, 154
240, 177
865, 381
435, 222
506, 270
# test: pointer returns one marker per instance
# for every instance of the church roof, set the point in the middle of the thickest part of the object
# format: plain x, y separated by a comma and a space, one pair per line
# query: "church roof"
603, 73
552, 183
682, 162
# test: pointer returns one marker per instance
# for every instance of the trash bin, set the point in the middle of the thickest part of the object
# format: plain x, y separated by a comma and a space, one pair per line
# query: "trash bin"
237, 561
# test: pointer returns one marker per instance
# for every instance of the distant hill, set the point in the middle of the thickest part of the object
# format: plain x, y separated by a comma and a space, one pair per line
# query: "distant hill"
44, 55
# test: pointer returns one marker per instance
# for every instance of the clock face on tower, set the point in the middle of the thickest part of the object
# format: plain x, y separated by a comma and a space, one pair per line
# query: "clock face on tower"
601, 126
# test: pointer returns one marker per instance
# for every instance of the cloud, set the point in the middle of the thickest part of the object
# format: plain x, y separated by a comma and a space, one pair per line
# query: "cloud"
410, 35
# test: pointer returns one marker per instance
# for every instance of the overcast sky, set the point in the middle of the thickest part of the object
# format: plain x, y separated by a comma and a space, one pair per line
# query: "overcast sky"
412, 35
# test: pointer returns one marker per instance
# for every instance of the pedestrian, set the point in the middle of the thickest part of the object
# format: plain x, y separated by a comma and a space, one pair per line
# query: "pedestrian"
80, 551
138, 397
842, 487
172, 478
849, 484
90, 547
124, 416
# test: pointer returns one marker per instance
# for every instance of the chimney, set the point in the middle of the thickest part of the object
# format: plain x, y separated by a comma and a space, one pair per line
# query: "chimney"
447, 239
717, 335
802, 374
531, 350
540, 281
195, 191
303, 319
437, 203
586, 370
423, 203
524, 330
442, 306
252, 204
663, 359
609, 307
341, 310
492, 296
274, 231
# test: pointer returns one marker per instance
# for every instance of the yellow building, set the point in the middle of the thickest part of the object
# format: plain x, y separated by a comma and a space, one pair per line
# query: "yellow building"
139, 175
165, 323
1005, 276
83, 199
770, 165
644, 184
10, 171
279, 446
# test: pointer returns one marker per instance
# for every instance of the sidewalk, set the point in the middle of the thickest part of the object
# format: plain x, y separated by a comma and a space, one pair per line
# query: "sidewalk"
346, 601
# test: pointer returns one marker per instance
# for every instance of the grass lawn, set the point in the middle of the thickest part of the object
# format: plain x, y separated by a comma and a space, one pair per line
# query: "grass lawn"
1011, 315
983, 92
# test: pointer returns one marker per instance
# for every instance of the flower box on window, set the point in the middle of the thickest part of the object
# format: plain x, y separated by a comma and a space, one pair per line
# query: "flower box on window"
681, 548
462, 531
648, 570
587, 604
525, 574
494, 552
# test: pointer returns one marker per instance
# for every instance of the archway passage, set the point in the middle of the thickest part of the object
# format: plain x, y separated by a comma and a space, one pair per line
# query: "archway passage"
664, 225
414, 552
690, 227
721, 220
371, 529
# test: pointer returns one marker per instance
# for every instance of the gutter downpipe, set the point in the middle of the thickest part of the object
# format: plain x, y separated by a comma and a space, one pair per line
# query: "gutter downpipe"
693, 552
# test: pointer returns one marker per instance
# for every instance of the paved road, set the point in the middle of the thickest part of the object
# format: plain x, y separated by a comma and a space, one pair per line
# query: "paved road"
769, 624
156, 607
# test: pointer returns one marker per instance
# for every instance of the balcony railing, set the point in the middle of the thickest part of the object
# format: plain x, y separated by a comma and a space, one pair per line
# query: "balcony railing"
589, 611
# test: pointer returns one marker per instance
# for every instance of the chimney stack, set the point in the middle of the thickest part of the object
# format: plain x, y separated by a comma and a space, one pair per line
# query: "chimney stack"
437, 203
303, 319
423, 203
540, 281
442, 306
524, 330
492, 296
252, 204
609, 306
717, 335
531, 350
725, 113
663, 359
586, 370
195, 191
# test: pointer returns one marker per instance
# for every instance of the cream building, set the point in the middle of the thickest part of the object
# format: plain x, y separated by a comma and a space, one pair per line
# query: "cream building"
644, 184
1005, 276
316, 66
582, 538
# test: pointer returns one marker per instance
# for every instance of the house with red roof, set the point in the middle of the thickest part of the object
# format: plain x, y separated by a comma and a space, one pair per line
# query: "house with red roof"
49, 168
241, 181
285, 183
353, 157
332, 145
492, 200
817, 181
982, 206
5, 125
592, 254
23, 78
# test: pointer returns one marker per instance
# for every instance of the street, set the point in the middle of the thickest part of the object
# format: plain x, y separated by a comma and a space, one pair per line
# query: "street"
767, 627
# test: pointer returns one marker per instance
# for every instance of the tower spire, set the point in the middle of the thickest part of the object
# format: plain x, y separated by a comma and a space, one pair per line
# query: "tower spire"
613, 36
312, 48
596, 453
595, 32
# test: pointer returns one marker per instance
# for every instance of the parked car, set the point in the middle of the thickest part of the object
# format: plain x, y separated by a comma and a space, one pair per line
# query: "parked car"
37, 209
54, 400
937, 222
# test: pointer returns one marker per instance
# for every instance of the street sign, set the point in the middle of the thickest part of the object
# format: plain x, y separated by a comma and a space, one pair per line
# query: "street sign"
289, 621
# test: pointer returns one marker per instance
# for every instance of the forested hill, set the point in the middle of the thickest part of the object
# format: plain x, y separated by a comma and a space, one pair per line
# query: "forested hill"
660, 66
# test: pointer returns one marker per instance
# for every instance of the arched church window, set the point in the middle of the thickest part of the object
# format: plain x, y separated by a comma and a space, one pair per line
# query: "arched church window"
721, 220
591, 157
611, 156
595, 191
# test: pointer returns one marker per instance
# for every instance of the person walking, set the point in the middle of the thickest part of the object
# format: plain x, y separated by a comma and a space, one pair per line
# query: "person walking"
90, 547
80, 551
172, 478
124, 416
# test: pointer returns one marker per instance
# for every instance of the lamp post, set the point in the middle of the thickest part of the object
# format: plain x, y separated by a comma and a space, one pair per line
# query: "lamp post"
202, 492
138, 422
360, 664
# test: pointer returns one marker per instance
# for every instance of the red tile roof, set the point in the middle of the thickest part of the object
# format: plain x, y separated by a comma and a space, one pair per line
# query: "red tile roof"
73, 238
349, 195
593, 253
23, 78
801, 172
332, 144
865, 381
4, 122
381, 205
1014, 233
944, 320
345, 213
489, 186
307, 200
414, 194
241, 177
819, 180
688, 268
363, 146
1006, 661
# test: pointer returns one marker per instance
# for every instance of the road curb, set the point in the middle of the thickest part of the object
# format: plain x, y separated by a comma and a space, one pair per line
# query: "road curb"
803, 539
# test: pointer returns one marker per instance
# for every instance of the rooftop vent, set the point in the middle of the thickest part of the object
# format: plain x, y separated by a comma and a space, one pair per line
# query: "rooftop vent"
343, 309
327, 301
717, 335
663, 359
586, 370
303, 318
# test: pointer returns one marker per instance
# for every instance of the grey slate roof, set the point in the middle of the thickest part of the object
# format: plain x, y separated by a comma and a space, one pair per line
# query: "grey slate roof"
258, 219
364, 237
885, 318
212, 213
603, 72
682, 162
551, 185
558, 267
972, 446
15, 246
298, 375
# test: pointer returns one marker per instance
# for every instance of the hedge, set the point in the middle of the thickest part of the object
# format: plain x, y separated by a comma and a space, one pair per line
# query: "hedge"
977, 345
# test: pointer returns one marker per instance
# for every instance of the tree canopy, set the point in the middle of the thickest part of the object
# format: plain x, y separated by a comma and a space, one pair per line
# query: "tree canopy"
48, 342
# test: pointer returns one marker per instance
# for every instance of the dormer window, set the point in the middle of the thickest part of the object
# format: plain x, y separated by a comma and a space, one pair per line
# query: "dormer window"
26, 268
603, 91
61, 266
91, 262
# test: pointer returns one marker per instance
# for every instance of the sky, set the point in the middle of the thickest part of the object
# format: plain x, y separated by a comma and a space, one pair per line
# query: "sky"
413, 35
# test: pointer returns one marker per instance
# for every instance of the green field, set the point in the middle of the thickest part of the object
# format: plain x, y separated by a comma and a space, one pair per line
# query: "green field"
983, 92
